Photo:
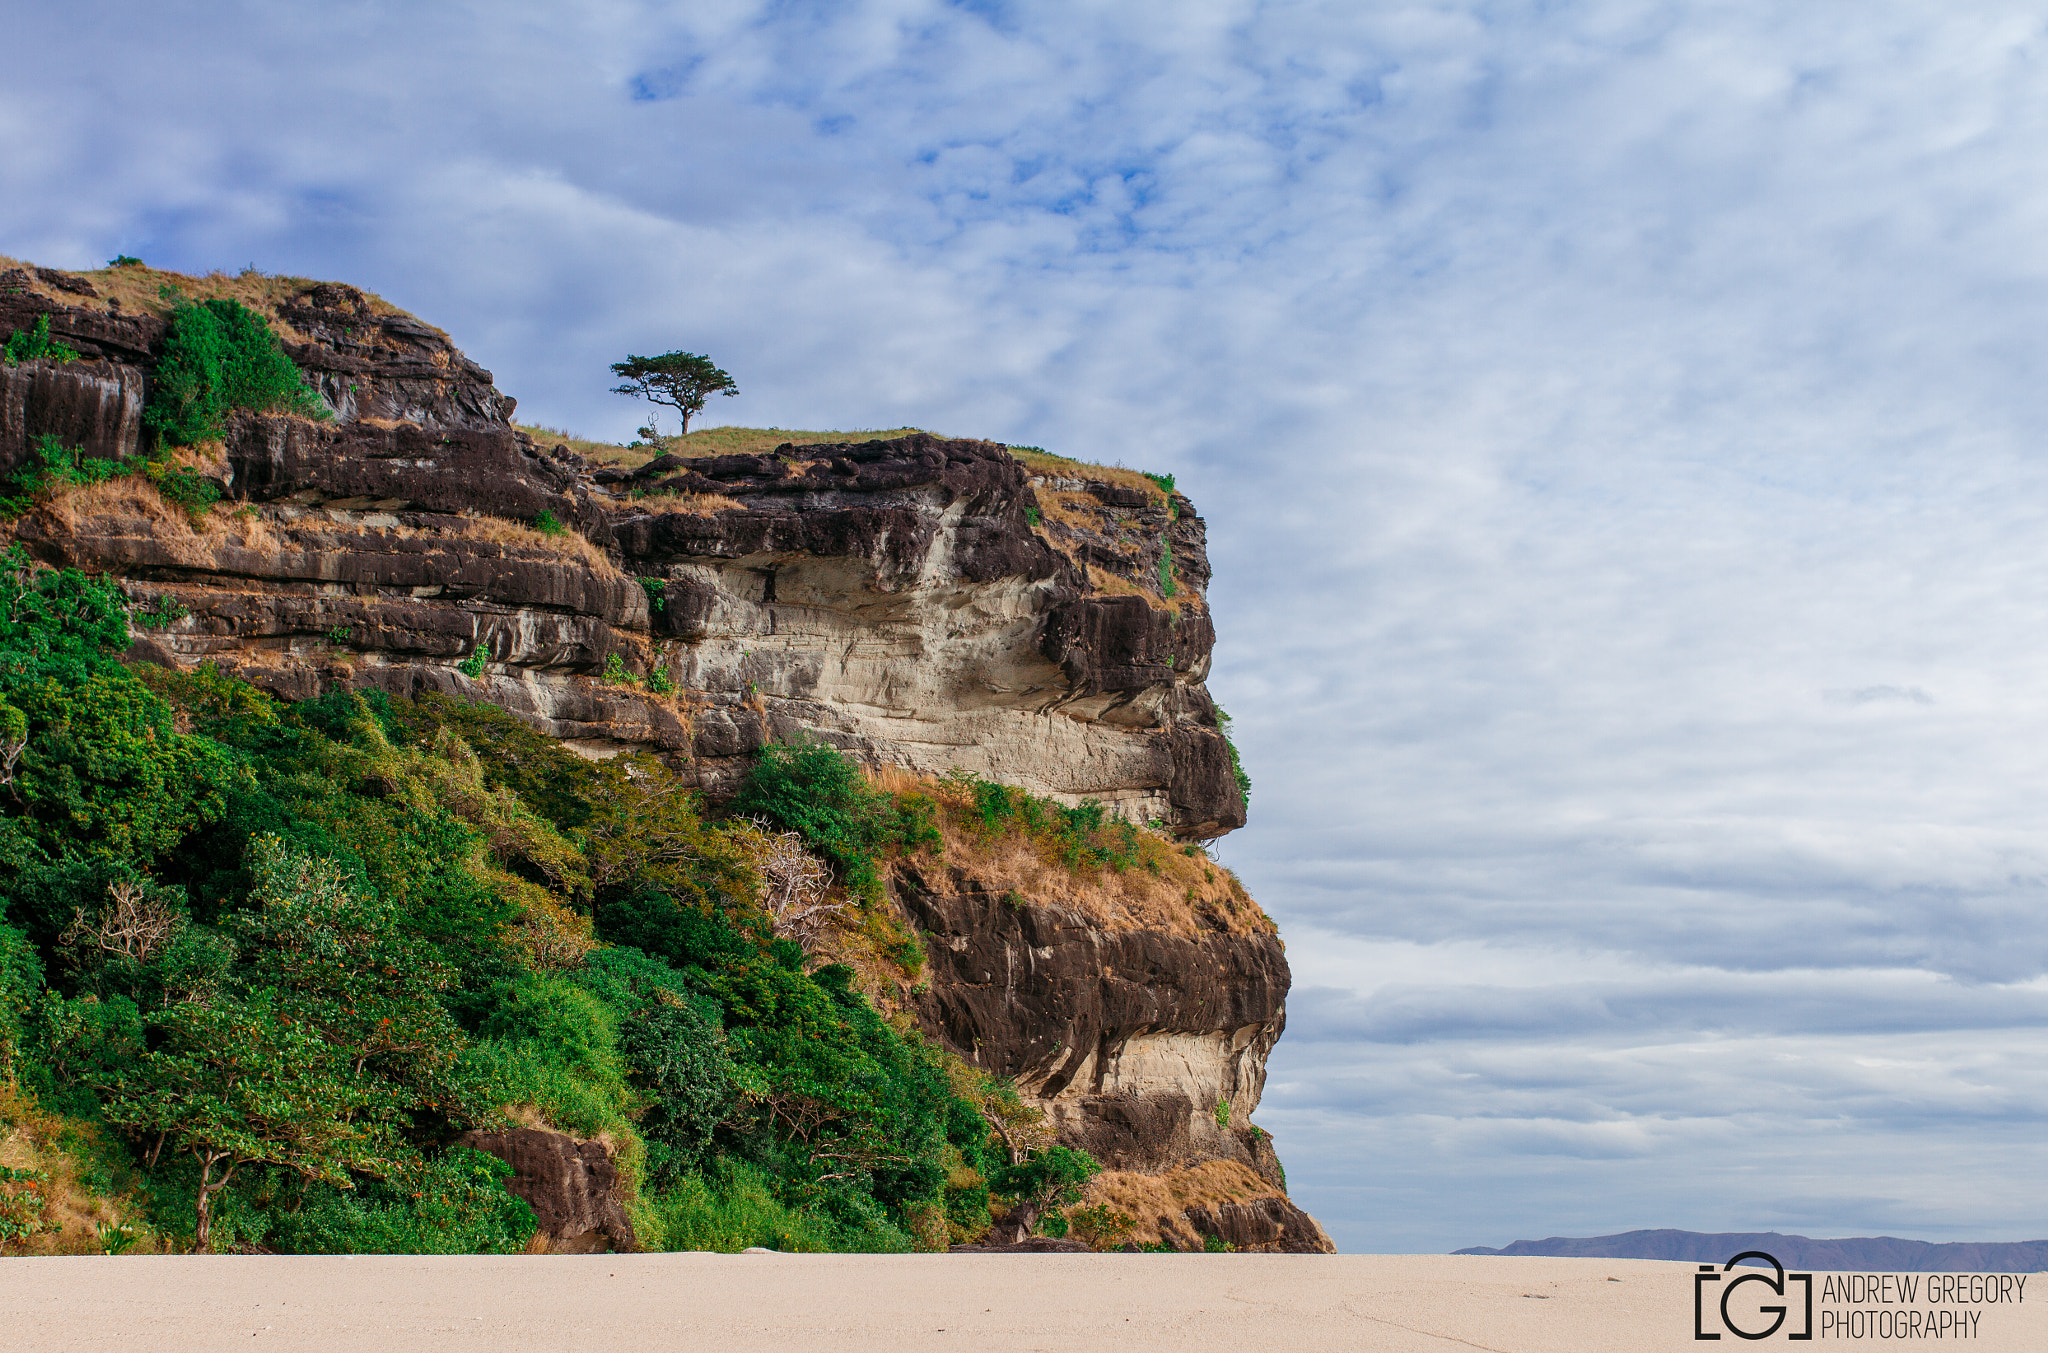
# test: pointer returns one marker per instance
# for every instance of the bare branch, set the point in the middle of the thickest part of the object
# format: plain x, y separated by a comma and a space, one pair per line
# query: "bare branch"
793, 884
134, 926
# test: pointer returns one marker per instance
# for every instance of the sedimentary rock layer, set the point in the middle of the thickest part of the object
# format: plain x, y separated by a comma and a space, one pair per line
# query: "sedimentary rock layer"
922, 602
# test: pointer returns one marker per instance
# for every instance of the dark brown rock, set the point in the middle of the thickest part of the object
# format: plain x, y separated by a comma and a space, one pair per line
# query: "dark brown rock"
64, 281
133, 339
778, 582
493, 471
94, 407
1265, 1225
570, 1185
1071, 1012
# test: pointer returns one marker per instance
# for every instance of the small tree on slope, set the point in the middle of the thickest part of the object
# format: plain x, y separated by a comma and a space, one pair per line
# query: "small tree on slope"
681, 380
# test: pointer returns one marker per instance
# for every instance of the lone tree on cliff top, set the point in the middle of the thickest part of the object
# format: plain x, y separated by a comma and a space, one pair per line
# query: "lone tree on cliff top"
681, 380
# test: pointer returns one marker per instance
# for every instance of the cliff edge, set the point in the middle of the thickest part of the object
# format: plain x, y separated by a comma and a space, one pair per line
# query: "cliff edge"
923, 603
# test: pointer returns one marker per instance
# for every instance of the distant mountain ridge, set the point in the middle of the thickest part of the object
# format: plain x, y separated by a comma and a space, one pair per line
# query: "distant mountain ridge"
1856, 1254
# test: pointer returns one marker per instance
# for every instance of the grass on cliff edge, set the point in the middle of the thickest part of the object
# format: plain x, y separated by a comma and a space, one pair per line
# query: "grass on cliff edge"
728, 441
720, 441
138, 289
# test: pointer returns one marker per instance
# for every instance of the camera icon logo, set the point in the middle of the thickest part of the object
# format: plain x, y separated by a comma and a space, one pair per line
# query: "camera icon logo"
1778, 1280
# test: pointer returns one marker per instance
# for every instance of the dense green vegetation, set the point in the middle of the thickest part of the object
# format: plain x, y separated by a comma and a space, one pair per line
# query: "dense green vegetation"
1237, 770
271, 960
35, 344
49, 466
220, 356
1083, 836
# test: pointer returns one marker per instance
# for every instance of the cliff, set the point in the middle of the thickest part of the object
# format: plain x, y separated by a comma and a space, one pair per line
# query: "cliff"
923, 603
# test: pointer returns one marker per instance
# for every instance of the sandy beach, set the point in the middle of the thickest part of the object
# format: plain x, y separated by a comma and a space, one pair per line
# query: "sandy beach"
741, 1303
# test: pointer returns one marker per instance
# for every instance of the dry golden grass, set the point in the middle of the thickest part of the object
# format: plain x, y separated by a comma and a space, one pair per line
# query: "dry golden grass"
1061, 467
602, 453
32, 1139
137, 290
1080, 511
1151, 1199
130, 498
719, 441
1189, 895
1116, 585
694, 504
568, 544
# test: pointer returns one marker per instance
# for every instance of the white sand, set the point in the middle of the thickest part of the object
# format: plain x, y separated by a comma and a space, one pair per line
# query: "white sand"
988, 1303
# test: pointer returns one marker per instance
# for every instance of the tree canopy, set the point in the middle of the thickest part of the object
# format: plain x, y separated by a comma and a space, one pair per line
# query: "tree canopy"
681, 380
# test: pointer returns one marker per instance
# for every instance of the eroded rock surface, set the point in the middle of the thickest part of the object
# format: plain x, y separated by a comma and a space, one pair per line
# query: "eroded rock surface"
570, 1185
1143, 1046
923, 602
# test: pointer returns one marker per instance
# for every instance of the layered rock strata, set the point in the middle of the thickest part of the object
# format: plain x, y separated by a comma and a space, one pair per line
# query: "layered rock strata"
1145, 1044
913, 601
922, 602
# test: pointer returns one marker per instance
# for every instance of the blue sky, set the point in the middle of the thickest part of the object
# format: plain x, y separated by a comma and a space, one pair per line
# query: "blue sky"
1618, 424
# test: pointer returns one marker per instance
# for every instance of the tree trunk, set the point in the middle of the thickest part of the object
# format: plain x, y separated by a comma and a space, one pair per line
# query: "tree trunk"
208, 1186
204, 1233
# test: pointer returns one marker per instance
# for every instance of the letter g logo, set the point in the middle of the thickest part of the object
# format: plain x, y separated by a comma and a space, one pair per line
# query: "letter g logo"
1776, 1282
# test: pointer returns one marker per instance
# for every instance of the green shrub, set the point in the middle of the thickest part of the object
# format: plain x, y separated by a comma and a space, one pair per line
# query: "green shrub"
473, 665
657, 593
728, 1207
1164, 481
183, 487
220, 356
24, 1204
35, 344
817, 791
1237, 771
548, 524
21, 977
1101, 1226
675, 1053
1083, 836
454, 1205
334, 982
103, 772
159, 614
1167, 585
50, 465
1046, 1183
568, 1026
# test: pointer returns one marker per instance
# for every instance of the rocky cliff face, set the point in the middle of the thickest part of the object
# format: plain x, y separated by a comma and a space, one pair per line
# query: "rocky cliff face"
925, 603
914, 601
1142, 1027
